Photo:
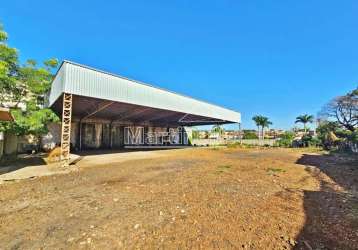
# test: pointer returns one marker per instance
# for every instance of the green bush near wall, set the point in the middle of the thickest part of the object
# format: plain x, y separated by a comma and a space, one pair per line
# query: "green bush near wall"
285, 140
248, 135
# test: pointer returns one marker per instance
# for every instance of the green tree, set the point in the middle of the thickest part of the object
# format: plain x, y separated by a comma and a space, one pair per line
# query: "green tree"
261, 122
11, 89
249, 135
286, 139
327, 133
217, 128
344, 110
304, 119
195, 133
23, 90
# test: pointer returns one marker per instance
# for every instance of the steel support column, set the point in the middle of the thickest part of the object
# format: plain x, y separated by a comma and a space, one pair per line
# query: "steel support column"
80, 135
66, 129
240, 133
110, 135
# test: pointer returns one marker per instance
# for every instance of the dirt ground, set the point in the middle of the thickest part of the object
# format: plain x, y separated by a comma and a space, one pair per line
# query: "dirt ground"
188, 199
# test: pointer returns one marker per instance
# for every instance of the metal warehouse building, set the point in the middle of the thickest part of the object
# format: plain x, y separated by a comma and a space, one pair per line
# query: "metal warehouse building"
104, 110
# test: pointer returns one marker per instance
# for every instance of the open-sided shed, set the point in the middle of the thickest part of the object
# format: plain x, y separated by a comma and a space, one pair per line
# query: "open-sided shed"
85, 95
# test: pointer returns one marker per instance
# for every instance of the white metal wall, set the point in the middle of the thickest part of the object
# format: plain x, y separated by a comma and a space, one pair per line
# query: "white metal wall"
57, 86
84, 81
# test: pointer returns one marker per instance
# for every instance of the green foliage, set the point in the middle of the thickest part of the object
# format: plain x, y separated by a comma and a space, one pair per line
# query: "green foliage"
3, 34
272, 171
310, 141
249, 135
8, 70
333, 135
285, 140
327, 134
24, 86
304, 119
288, 135
33, 122
263, 122
218, 129
51, 63
195, 133
353, 136
326, 127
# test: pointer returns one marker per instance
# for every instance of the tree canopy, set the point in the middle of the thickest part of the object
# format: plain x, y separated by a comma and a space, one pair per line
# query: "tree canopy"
217, 128
263, 122
304, 119
23, 89
338, 122
344, 110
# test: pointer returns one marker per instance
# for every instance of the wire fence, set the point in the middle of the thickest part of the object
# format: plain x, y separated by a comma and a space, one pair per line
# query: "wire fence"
349, 146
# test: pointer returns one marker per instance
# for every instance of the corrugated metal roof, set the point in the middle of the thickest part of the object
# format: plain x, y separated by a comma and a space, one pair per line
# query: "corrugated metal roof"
82, 80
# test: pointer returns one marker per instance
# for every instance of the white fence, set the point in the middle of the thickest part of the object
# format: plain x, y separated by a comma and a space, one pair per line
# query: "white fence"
258, 142
350, 146
211, 142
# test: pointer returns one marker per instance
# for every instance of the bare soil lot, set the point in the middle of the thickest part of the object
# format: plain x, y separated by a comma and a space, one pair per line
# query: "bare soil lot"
188, 199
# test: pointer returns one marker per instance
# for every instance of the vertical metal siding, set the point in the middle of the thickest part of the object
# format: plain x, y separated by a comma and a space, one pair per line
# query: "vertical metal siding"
57, 86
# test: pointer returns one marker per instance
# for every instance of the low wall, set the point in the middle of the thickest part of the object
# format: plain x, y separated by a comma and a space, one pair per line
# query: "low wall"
213, 142
10, 144
13, 144
210, 142
258, 142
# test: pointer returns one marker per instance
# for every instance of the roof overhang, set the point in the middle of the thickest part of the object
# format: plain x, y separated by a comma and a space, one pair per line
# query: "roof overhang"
5, 115
98, 94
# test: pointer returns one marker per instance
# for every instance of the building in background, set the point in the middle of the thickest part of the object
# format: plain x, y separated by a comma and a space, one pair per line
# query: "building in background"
274, 133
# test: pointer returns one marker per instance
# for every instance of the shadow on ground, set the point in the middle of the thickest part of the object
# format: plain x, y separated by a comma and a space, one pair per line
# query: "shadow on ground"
331, 212
115, 151
14, 163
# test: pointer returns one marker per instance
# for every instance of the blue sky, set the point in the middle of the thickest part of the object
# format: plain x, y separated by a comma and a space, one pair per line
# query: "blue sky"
276, 58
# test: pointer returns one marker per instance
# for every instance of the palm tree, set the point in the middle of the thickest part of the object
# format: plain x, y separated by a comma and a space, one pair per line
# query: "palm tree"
195, 133
217, 128
263, 122
304, 119
257, 119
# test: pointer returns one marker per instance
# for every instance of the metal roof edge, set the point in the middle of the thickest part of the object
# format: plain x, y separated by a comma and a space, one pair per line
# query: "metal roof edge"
138, 82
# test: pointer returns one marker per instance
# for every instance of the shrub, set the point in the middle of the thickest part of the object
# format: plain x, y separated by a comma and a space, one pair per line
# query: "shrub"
249, 135
233, 145
353, 137
285, 140
310, 141
328, 133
